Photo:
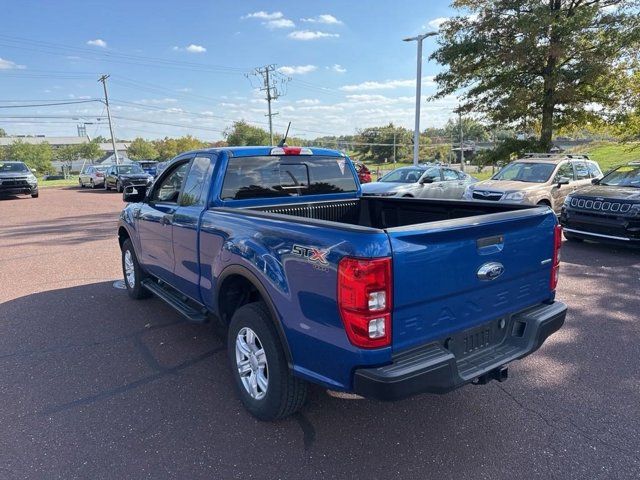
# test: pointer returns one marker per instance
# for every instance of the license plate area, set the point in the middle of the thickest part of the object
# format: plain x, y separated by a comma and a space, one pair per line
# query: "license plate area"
470, 342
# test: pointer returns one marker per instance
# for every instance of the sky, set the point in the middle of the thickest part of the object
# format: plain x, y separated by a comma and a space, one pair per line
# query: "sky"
180, 68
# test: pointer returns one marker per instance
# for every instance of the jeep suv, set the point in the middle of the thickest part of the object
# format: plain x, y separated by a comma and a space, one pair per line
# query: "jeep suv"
537, 179
607, 211
16, 179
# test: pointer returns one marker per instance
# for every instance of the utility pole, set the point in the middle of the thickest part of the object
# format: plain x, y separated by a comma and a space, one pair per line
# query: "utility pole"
103, 79
461, 140
270, 76
416, 131
394, 147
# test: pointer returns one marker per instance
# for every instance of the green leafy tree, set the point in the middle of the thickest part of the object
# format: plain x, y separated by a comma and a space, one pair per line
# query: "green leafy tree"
471, 130
376, 143
101, 139
167, 148
2, 132
243, 134
186, 143
90, 150
37, 156
546, 59
141, 149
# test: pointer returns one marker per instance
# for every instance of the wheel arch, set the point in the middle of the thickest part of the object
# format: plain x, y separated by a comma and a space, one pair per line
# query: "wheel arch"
238, 273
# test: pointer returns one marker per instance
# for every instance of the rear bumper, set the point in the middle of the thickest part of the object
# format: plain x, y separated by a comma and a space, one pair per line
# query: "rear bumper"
443, 366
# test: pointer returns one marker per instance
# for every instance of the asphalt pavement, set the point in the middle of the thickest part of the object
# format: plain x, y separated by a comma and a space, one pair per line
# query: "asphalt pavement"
95, 385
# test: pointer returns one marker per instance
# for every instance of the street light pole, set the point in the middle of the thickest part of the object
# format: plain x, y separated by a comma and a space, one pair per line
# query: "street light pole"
416, 131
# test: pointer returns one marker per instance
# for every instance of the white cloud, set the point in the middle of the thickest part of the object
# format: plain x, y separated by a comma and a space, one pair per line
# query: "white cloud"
192, 48
157, 101
386, 85
280, 23
308, 101
9, 65
324, 18
297, 69
338, 68
185, 89
98, 42
262, 15
436, 23
310, 35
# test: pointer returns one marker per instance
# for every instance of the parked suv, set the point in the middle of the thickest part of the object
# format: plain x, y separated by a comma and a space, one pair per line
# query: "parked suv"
537, 179
121, 176
16, 178
608, 210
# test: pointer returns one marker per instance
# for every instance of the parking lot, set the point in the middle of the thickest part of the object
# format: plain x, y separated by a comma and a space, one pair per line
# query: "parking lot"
95, 385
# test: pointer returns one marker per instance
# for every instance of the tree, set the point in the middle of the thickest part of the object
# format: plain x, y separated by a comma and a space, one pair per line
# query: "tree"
186, 143
167, 148
243, 134
141, 149
36, 156
376, 143
471, 130
551, 60
2, 132
90, 150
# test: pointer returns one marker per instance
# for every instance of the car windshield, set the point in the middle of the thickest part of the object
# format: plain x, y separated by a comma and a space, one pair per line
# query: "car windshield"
13, 167
526, 172
403, 175
625, 176
130, 169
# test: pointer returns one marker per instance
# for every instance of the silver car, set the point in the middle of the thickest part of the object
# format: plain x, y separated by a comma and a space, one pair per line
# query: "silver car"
92, 176
438, 182
421, 182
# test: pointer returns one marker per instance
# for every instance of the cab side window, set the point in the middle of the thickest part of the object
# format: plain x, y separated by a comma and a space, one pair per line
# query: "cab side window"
594, 170
197, 183
168, 190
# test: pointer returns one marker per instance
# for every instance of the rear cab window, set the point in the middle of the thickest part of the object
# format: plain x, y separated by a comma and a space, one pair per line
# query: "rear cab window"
286, 176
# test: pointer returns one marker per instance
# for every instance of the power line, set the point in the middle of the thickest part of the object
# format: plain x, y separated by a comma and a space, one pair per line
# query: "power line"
49, 104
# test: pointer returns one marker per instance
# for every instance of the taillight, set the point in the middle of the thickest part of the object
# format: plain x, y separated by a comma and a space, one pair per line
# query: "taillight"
99, 174
364, 300
555, 265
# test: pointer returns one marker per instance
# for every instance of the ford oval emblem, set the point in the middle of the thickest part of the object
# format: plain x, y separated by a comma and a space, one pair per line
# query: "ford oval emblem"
490, 271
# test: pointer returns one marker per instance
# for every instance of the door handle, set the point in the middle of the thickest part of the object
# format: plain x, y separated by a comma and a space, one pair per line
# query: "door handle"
167, 219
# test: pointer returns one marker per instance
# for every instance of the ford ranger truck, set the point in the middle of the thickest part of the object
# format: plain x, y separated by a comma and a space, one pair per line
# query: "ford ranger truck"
382, 297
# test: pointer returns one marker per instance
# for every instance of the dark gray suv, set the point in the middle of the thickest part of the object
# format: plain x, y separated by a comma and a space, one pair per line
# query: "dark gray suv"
16, 179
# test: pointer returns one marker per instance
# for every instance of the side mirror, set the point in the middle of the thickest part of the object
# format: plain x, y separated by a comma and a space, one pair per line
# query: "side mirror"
426, 180
133, 194
562, 181
595, 181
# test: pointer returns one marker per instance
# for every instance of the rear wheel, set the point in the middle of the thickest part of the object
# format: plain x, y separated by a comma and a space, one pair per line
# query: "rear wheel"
93, 185
133, 273
266, 385
106, 185
81, 183
118, 186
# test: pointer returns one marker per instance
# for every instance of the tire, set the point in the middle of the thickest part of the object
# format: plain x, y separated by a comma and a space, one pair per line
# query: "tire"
91, 184
118, 186
35, 195
106, 185
407, 196
572, 238
133, 283
81, 183
284, 394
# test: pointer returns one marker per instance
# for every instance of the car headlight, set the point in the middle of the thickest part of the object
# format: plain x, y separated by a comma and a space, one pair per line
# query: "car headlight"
515, 196
635, 210
32, 179
567, 201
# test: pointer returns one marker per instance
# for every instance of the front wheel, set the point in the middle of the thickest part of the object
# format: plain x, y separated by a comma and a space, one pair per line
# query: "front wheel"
35, 195
118, 186
133, 273
266, 385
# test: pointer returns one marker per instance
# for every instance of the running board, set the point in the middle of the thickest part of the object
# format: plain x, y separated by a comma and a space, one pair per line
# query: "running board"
175, 300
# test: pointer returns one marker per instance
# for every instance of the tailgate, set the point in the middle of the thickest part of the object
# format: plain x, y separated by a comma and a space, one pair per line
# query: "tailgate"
437, 289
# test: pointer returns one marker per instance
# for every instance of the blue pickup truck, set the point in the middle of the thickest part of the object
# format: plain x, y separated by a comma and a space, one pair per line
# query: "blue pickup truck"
376, 296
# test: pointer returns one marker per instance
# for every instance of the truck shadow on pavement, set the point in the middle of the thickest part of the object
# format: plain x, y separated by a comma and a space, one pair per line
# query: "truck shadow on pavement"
91, 370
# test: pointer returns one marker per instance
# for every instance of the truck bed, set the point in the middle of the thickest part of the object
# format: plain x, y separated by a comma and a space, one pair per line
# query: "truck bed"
386, 213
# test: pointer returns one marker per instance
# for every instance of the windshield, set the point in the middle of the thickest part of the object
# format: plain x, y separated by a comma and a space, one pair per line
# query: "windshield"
130, 169
13, 167
526, 172
403, 175
626, 176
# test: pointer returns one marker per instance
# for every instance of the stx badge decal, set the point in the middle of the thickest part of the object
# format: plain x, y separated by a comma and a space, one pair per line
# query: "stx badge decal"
313, 254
